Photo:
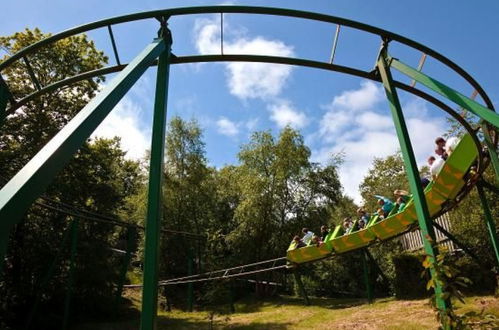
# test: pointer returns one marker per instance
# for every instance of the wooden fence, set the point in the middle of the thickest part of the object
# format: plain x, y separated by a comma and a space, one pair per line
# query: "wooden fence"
412, 241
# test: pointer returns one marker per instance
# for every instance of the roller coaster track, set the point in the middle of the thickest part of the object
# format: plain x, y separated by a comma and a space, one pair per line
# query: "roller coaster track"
227, 273
29, 183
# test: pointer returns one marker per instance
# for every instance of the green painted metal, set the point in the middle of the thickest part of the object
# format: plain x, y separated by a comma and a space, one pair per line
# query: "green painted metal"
456, 97
353, 240
5, 96
491, 226
251, 10
113, 42
446, 186
20, 192
154, 205
232, 307
190, 288
130, 242
48, 275
72, 265
378, 268
494, 159
4, 244
458, 243
301, 287
424, 220
367, 276
309, 253
31, 73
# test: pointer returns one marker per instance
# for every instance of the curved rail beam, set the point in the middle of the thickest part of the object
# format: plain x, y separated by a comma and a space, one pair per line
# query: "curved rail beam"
268, 59
384, 34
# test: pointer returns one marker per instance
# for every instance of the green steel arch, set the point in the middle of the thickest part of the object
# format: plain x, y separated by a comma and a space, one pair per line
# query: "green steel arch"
20, 192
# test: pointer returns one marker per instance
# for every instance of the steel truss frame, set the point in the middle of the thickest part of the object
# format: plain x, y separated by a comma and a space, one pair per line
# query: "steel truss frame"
22, 190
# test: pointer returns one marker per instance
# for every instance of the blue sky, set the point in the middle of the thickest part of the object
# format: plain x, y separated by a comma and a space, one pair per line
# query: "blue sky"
334, 112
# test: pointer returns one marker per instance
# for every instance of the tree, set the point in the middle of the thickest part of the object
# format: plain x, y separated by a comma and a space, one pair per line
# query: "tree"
385, 176
98, 179
26, 130
281, 191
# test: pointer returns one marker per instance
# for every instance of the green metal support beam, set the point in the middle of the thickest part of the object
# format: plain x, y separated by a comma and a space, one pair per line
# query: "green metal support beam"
190, 288
72, 265
492, 150
32, 75
5, 96
424, 220
48, 275
154, 205
491, 226
460, 245
378, 268
301, 287
21, 191
232, 307
130, 242
456, 97
367, 276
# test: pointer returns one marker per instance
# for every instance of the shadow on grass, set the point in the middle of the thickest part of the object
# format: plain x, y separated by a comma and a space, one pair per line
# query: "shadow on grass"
218, 323
253, 304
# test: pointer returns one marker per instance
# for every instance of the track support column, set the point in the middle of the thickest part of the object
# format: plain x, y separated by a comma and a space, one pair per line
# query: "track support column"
72, 263
130, 240
190, 289
491, 226
425, 223
367, 277
154, 203
301, 287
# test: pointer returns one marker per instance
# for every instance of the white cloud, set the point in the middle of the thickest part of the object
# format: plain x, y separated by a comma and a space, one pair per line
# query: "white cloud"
345, 111
123, 122
283, 114
227, 127
251, 124
352, 124
246, 80
359, 99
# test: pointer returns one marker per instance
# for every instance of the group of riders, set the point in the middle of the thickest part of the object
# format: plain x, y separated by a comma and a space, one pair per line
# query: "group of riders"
443, 148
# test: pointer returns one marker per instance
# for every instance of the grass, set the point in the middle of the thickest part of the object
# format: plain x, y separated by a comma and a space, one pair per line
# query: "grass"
289, 313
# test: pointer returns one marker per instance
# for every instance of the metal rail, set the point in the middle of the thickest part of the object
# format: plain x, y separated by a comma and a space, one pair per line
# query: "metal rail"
386, 35
225, 273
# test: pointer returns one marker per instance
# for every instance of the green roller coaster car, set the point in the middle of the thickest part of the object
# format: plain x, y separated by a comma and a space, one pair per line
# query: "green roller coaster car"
445, 187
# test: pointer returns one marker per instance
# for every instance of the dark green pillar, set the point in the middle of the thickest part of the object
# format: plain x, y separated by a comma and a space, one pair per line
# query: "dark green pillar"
494, 160
48, 275
154, 205
4, 98
367, 276
69, 291
491, 226
190, 289
301, 287
4, 243
425, 223
130, 241
232, 307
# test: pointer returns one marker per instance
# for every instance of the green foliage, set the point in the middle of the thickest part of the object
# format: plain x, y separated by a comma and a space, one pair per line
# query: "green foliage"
408, 283
281, 192
97, 179
385, 176
448, 278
